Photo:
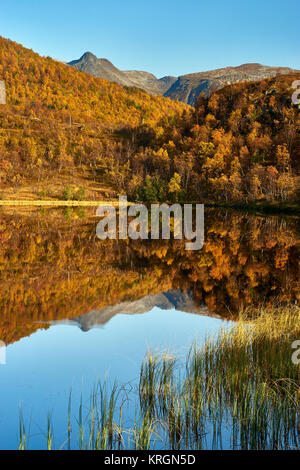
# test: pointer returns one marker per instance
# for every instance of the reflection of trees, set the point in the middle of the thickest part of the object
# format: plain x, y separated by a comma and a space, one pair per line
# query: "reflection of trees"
53, 268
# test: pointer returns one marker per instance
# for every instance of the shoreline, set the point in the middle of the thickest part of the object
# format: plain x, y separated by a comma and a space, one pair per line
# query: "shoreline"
56, 203
265, 208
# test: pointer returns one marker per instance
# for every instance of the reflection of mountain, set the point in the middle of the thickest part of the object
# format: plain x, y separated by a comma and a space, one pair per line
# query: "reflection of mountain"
177, 299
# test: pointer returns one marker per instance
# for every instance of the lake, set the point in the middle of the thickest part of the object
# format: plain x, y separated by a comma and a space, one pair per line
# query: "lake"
76, 310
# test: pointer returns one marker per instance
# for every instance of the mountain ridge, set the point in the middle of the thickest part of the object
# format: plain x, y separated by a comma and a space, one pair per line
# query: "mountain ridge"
188, 87
185, 88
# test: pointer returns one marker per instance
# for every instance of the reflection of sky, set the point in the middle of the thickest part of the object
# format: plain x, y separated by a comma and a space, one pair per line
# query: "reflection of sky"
42, 368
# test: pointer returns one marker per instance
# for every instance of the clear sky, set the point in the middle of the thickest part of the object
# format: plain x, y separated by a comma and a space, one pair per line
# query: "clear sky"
161, 36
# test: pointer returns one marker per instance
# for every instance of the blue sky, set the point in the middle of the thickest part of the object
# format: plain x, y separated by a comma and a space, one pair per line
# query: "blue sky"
163, 37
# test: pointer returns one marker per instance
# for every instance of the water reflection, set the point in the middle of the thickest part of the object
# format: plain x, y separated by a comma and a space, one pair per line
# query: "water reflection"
42, 369
53, 267
172, 299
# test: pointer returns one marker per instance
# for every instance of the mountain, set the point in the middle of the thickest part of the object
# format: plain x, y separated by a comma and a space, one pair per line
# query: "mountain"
188, 87
185, 88
103, 68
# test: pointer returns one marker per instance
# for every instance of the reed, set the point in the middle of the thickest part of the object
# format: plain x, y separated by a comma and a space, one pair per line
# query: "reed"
49, 432
22, 432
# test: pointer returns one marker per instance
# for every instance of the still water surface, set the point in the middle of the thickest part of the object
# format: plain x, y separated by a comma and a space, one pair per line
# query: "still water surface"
76, 310
42, 368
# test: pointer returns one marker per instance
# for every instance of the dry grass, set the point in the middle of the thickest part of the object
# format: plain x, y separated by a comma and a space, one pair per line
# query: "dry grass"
52, 186
56, 203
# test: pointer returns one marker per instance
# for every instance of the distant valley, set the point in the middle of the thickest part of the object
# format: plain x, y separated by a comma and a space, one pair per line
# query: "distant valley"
185, 88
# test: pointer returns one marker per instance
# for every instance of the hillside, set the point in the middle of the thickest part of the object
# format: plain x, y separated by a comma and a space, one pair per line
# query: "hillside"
58, 119
42, 86
241, 145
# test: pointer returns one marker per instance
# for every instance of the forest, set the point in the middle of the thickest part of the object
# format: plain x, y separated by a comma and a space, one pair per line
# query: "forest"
242, 144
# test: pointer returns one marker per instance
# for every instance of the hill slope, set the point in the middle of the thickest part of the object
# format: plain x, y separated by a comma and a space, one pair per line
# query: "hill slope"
241, 145
58, 118
43, 86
